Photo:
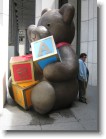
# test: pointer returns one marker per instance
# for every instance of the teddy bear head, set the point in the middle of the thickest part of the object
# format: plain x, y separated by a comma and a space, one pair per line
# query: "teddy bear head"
59, 23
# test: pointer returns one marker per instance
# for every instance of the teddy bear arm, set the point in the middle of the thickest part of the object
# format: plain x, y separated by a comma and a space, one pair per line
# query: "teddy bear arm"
60, 71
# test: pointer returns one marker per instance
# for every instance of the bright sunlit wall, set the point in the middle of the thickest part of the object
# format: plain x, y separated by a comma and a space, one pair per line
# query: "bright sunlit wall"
4, 16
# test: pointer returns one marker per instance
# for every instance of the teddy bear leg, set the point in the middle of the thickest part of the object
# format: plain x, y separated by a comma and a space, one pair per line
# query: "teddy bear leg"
43, 97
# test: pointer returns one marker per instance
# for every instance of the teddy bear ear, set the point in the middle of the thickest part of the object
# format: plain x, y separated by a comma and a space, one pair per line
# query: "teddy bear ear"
44, 11
30, 29
67, 11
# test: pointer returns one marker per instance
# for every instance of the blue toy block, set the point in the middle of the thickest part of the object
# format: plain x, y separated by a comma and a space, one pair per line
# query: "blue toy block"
44, 52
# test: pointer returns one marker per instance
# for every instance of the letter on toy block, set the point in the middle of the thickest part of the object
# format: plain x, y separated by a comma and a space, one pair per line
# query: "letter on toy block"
44, 52
43, 48
22, 69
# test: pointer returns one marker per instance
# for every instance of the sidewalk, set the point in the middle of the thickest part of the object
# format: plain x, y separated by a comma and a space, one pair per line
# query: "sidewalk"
79, 117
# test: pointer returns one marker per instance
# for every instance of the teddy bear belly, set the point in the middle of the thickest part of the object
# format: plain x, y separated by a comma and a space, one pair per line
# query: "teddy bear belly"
66, 92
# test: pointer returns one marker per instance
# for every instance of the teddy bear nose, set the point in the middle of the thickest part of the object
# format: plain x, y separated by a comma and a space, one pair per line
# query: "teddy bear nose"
43, 31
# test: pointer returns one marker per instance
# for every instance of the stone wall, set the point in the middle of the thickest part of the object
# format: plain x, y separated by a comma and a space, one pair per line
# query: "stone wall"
89, 37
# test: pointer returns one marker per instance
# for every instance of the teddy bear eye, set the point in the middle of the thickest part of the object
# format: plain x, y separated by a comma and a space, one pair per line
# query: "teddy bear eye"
48, 24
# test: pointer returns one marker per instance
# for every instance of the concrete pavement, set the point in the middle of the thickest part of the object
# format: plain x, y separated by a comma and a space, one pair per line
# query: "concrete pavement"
79, 117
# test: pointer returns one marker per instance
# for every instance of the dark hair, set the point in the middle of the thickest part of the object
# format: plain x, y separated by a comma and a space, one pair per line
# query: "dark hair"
82, 55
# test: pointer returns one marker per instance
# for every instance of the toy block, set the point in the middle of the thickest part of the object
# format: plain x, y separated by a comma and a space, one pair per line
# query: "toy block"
44, 52
22, 93
22, 68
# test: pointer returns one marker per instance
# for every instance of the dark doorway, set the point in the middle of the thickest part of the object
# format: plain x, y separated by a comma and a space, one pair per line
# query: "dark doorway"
61, 2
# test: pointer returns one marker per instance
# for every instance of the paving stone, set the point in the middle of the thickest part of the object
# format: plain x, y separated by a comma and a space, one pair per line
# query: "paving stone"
79, 117
90, 125
62, 117
70, 126
25, 127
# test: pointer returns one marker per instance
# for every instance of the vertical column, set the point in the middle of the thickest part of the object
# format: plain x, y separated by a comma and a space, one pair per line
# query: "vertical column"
49, 4
10, 22
89, 36
17, 39
74, 42
11, 47
38, 9
94, 40
42, 4
27, 45
4, 16
13, 30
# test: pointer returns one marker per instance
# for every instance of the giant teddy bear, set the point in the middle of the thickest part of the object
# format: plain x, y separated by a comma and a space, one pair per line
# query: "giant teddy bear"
58, 87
